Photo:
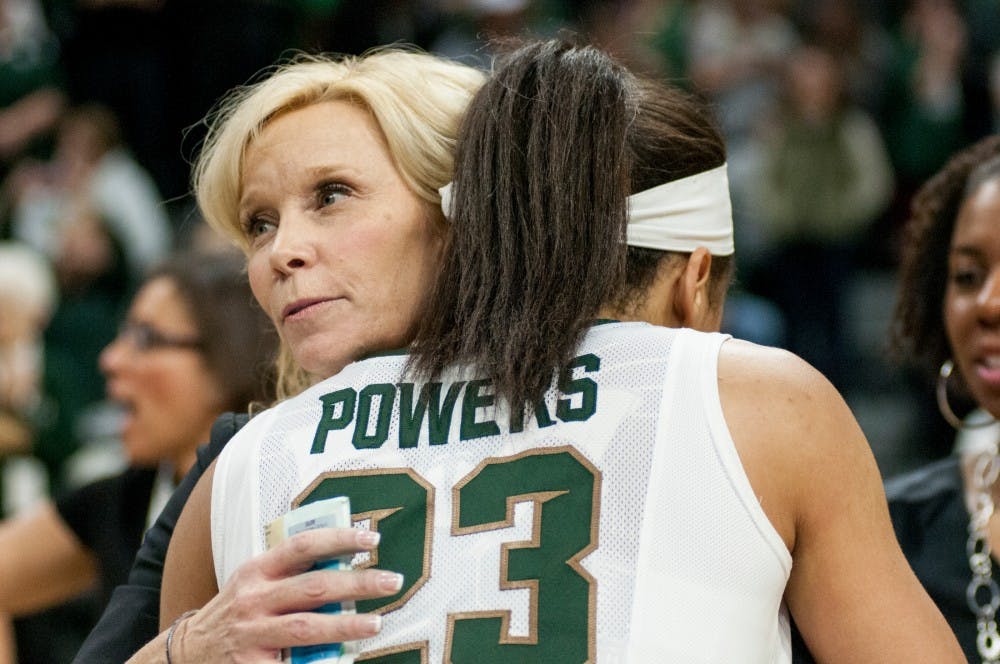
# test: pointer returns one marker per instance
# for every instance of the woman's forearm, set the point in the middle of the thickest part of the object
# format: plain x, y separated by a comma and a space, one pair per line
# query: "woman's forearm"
8, 653
41, 562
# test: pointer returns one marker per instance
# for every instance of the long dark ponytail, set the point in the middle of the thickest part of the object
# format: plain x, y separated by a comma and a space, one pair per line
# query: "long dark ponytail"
526, 270
547, 157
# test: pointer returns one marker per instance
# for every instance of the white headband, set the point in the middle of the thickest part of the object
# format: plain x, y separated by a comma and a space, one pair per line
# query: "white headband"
675, 216
684, 214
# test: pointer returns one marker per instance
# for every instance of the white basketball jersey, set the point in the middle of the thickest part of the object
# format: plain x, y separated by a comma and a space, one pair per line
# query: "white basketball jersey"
613, 524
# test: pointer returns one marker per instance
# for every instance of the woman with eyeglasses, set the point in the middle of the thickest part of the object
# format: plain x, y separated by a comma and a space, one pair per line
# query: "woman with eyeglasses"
194, 345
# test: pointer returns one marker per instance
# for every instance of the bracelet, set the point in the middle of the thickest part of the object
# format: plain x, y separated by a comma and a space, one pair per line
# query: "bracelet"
173, 628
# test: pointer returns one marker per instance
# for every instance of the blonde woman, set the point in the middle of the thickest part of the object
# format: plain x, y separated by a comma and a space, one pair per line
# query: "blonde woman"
376, 135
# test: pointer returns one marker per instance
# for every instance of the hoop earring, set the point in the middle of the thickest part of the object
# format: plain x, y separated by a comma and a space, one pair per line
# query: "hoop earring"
942, 402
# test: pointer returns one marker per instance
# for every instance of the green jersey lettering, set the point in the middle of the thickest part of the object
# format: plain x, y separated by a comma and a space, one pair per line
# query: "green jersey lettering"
585, 387
386, 392
474, 399
328, 421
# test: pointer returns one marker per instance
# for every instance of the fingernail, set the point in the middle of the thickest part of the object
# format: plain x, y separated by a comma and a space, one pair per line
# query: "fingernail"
390, 581
372, 623
368, 538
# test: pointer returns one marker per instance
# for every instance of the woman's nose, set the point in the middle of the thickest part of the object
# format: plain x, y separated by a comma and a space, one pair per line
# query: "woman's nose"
110, 358
293, 246
989, 298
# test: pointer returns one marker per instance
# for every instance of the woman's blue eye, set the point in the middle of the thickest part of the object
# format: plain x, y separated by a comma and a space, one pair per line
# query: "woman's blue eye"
330, 194
257, 226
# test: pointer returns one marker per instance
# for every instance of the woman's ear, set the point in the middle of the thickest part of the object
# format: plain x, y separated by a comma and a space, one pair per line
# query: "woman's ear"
692, 304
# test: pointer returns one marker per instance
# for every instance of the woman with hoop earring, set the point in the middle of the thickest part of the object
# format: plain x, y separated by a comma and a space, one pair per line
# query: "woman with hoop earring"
948, 320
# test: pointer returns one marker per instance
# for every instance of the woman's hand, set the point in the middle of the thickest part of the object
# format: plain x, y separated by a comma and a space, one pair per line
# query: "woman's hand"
269, 603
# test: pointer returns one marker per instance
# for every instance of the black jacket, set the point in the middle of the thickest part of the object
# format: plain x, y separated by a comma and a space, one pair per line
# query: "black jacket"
132, 617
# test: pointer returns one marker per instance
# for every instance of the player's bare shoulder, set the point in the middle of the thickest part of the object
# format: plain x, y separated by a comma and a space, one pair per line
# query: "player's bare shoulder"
789, 425
774, 392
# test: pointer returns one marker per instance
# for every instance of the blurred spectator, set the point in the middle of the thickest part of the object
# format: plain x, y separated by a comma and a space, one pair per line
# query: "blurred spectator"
159, 65
98, 217
864, 48
90, 196
670, 25
824, 177
924, 118
113, 53
736, 51
194, 345
30, 95
27, 299
650, 36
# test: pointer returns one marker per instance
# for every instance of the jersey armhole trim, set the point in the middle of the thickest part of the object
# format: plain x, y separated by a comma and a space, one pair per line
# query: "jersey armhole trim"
242, 463
725, 448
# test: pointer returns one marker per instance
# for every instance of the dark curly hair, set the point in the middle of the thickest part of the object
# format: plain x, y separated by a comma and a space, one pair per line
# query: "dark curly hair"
918, 334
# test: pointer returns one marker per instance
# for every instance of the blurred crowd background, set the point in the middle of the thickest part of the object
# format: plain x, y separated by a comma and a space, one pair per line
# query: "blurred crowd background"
835, 111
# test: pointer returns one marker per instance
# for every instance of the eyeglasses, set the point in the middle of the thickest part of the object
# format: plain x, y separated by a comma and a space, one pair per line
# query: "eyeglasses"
144, 337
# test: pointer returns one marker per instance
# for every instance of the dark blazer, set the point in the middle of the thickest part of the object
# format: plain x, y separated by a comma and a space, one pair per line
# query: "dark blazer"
132, 617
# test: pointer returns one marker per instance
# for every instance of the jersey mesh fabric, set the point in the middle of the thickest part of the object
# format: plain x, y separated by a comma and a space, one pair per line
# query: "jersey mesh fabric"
726, 559
266, 469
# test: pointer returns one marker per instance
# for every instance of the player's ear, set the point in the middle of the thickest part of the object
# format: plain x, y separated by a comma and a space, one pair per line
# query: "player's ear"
692, 304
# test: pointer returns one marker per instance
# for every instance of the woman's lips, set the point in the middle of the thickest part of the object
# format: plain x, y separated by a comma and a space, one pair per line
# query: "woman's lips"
988, 370
300, 305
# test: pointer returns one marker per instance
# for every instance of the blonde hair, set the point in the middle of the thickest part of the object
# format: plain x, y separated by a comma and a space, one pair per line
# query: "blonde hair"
416, 99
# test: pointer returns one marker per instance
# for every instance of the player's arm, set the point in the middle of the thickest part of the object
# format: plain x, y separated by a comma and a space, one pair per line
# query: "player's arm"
851, 591
188, 570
